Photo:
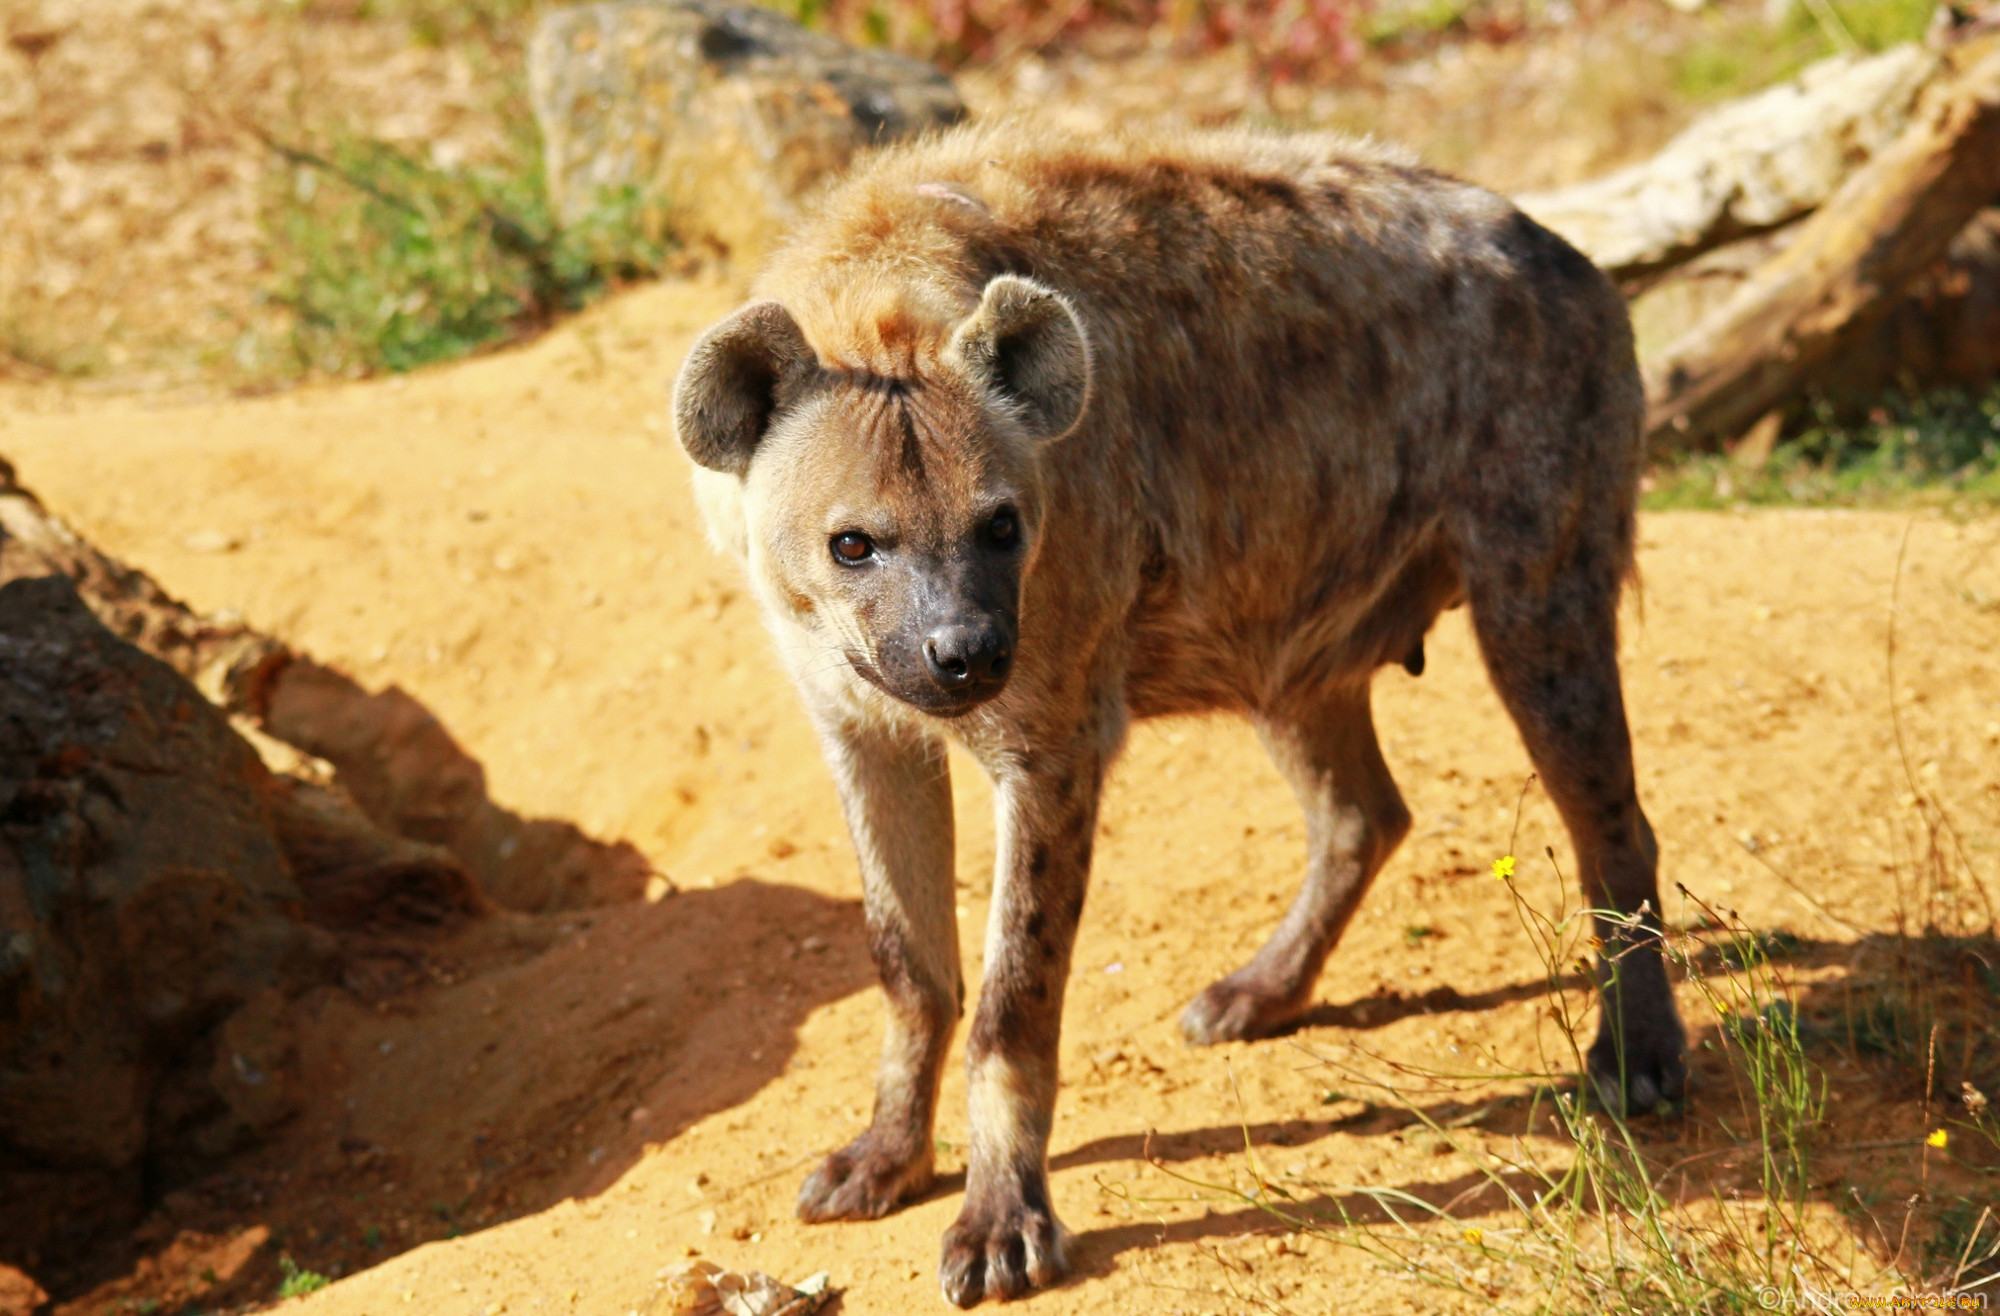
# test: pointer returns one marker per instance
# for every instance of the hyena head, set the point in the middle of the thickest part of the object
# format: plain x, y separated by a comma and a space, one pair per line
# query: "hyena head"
891, 505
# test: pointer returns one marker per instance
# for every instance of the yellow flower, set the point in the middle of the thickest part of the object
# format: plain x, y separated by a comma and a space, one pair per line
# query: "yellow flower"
1475, 1236
1503, 867
1938, 1138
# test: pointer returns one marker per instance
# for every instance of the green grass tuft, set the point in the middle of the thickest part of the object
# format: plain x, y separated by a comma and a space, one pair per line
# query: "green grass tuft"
297, 1282
388, 262
1942, 446
1879, 24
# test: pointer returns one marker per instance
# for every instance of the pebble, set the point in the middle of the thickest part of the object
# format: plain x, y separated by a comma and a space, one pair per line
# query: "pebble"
211, 541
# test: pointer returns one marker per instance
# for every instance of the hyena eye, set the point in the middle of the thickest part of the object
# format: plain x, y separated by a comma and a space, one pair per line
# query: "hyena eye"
851, 547
1005, 527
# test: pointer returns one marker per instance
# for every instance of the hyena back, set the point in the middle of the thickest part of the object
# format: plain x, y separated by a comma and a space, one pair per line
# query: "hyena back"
1027, 436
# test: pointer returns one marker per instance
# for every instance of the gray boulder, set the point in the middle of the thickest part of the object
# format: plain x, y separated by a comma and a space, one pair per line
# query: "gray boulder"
729, 116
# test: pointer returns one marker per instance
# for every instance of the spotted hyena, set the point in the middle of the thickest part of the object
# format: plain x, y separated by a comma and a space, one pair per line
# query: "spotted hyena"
1030, 435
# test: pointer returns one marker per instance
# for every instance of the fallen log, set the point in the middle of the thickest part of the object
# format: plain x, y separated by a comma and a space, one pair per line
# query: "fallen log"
1886, 226
1748, 167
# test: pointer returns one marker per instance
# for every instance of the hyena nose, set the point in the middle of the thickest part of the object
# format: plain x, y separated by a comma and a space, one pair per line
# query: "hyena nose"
960, 657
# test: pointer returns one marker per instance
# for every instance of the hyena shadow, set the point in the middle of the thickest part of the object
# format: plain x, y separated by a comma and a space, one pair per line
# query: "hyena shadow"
1908, 1012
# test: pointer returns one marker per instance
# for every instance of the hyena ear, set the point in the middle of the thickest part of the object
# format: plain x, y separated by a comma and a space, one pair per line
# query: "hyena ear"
1026, 343
732, 383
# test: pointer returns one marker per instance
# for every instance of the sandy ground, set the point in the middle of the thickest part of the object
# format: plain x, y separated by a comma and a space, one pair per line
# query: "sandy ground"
583, 1098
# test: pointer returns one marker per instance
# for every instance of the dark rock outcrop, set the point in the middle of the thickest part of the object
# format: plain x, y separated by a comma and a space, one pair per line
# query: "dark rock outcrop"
163, 896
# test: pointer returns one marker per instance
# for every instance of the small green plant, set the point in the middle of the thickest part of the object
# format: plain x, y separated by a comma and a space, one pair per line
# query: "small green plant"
1776, 944
1923, 447
1874, 24
1589, 1218
297, 1282
1964, 1245
388, 262
1927, 1002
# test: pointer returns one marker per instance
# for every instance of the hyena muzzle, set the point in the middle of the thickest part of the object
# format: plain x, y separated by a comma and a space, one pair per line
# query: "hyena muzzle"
1027, 436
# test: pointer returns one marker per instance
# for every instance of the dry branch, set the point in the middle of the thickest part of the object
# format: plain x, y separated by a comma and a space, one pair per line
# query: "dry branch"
1888, 224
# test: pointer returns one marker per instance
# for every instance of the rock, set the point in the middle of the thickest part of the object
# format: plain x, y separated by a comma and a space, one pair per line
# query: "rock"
163, 897
144, 894
702, 1288
1751, 165
730, 115
18, 1293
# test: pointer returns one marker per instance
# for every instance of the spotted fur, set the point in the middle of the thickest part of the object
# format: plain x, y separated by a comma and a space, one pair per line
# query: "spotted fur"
1262, 406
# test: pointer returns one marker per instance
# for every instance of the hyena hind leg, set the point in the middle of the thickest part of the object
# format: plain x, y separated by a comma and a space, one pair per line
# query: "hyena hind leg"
1551, 648
1355, 818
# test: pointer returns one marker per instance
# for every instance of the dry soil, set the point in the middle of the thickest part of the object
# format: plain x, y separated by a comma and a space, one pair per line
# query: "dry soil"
540, 1116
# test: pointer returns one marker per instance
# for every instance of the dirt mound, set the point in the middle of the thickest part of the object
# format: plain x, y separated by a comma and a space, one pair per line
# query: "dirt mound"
586, 1096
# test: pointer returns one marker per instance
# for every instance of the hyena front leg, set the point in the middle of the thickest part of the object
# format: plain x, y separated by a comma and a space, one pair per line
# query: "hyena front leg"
1007, 1238
896, 790
1354, 820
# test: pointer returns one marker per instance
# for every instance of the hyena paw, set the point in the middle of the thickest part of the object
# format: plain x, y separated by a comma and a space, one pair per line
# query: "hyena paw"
1649, 1069
1236, 1009
1001, 1251
864, 1180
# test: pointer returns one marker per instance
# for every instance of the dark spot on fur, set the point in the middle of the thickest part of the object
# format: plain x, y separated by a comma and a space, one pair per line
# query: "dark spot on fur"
1038, 862
1374, 363
1260, 189
1517, 327
1543, 255
912, 455
1034, 1189
1590, 395
1412, 175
